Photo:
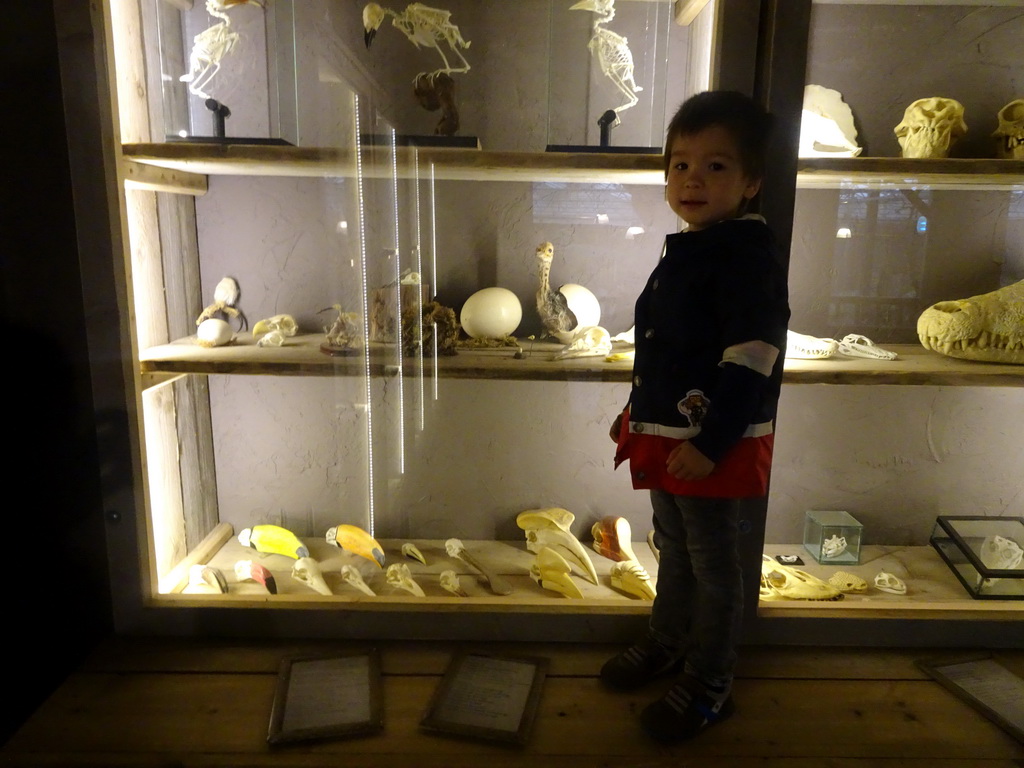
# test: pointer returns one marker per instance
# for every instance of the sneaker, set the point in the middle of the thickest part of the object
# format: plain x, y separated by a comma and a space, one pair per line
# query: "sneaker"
687, 709
639, 665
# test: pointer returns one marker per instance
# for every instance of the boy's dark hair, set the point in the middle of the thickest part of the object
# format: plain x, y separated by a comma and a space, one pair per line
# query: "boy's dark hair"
748, 122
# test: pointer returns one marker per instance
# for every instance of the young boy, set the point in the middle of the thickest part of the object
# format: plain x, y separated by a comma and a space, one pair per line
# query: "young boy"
710, 340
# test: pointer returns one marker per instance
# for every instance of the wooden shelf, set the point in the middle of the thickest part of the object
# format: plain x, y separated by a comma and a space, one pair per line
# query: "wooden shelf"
448, 164
933, 591
830, 173
301, 356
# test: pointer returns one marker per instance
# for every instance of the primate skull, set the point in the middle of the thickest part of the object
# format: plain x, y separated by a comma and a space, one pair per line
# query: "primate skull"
1011, 131
930, 127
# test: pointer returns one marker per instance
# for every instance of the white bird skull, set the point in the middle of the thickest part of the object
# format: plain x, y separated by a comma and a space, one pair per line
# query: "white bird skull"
930, 127
307, 571
1011, 131
399, 576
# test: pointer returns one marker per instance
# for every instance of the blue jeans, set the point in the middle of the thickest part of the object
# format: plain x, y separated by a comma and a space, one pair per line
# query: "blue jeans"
699, 607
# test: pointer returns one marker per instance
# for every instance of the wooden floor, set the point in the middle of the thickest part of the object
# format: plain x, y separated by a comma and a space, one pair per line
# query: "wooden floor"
205, 703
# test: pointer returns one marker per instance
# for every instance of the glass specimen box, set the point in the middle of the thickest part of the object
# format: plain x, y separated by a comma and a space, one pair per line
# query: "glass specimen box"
985, 553
225, 71
833, 536
408, 446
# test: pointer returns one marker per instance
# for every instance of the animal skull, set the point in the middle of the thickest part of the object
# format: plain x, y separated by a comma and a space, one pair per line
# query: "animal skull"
780, 582
551, 571
833, 546
550, 528
612, 537
587, 342
930, 127
272, 331
1001, 553
1011, 130
307, 571
886, 582
398, 575
631, 577
848, 582
351, 576
450, 581
989, 327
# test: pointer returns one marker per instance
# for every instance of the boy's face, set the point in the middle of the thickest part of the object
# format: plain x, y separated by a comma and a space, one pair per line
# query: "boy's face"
706, 182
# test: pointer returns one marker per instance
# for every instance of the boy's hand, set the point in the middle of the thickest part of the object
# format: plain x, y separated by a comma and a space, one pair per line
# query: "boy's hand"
614, 432
687, 463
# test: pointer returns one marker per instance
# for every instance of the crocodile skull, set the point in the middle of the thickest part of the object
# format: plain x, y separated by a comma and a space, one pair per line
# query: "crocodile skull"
989, 327
780, 582
930, 127
1011, 130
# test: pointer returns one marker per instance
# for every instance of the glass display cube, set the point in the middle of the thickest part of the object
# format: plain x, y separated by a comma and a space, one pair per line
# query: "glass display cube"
833, 537
226, 73
984, 553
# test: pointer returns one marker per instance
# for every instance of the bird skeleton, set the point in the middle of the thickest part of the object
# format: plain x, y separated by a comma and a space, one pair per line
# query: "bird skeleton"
211, 45
612, 52
424, 27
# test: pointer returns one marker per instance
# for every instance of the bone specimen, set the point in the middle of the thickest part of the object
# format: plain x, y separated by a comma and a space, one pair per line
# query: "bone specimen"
612, 52
613, 538
498, 585
214, 332
550, 528
551, 571
354, 539
887, 582
833, 546
1010, 132
211, 45
826, 125
274, 330
930, 127
1000, 553
411, 551
781, 582
345, 335
855, 345
848, 582
225, 303
552, 305
988, 328
306, 571
352, 577
631, 577
450, 581
427, 27
205, 579
273, 539
799, 346
246, 570
399, 576
587, 342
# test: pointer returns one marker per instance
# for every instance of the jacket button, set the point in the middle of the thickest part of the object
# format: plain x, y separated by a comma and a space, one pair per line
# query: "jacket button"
637, 381
654, 285
649, 333
639, 428
640, 476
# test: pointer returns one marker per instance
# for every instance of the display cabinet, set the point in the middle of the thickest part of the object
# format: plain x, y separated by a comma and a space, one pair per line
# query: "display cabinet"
413, 446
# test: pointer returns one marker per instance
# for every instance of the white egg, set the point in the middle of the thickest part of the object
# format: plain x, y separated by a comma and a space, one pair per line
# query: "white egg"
214, 333
491, 313
584, 305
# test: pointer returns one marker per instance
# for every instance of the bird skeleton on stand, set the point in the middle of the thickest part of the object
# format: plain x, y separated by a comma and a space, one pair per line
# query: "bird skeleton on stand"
612, 52
426, 27
211, 45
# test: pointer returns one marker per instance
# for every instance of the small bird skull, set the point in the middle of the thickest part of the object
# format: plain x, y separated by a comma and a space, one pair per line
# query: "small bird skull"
1010, 132
930, 127
307, 571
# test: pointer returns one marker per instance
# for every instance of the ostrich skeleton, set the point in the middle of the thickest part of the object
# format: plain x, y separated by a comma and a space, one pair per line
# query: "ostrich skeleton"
612, 52
211, 45
424, 27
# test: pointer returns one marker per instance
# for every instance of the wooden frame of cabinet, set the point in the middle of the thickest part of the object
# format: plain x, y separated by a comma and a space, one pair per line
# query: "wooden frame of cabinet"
134, 164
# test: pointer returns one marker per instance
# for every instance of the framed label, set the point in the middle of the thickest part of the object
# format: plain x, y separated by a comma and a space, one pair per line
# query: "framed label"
324, 697
986, 685
487, 697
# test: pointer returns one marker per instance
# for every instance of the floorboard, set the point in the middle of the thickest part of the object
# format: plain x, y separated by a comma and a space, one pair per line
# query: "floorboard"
203, 703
